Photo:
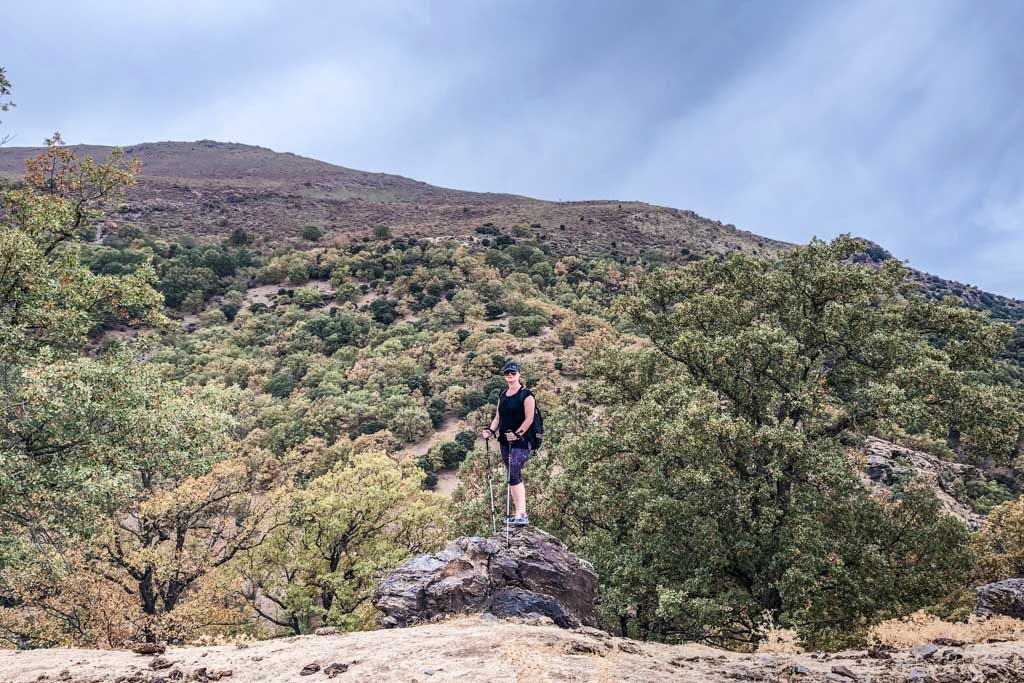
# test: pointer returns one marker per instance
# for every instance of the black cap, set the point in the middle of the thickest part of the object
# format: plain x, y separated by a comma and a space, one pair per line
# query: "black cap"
511, 365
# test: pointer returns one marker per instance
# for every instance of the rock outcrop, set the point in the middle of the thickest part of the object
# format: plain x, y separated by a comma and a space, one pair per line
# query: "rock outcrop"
1004, 598
535, 575
885, 464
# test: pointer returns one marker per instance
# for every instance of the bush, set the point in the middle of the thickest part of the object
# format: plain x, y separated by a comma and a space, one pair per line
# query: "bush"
281, 385
298, 273
436, 410
493, 310
312, 233
999, 545
526, 326
307, 297
473, 399
383, 311
452, 454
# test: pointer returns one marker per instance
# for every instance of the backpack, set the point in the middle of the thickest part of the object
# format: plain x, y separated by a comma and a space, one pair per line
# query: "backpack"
536, 432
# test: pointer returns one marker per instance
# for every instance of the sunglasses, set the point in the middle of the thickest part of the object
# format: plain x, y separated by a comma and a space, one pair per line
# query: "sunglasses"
510, 372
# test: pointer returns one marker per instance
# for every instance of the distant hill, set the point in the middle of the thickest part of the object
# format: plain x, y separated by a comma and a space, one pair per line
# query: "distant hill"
206, 189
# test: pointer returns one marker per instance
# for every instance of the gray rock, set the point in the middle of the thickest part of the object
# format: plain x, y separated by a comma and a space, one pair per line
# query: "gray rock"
924, 651
325, 631
844, 671
535, 575
515, 602
1005, 598
332, 670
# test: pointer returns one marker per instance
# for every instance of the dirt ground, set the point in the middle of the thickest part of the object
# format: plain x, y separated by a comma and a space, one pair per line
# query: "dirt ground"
485, 649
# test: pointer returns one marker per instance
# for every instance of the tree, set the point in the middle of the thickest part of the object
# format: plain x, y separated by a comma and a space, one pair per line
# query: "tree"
85, 440
5, 104
999, 545
742, 504
350, 525
158, 550
48, 297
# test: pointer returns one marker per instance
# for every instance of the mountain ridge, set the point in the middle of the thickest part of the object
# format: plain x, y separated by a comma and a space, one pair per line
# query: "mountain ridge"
206, 189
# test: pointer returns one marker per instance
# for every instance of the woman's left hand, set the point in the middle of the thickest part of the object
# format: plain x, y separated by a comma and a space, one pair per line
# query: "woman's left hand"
511, 436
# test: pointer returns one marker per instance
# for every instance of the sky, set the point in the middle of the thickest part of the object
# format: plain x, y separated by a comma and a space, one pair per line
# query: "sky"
902, 122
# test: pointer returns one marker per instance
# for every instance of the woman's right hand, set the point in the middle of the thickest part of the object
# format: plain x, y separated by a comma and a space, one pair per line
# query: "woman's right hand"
487, 434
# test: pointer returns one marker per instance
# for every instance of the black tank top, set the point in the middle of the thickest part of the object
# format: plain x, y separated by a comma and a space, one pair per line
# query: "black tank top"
511, 411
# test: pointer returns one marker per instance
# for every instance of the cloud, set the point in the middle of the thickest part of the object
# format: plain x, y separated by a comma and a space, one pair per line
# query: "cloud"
876, 118
895, 121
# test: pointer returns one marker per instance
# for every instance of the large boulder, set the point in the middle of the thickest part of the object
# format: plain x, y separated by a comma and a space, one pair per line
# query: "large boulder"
1001, 598
536, 574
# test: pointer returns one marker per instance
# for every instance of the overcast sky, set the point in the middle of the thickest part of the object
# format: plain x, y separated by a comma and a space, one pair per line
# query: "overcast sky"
897, 121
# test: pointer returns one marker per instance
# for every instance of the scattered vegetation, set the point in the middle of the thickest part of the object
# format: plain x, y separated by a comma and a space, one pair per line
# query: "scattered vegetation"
252, 472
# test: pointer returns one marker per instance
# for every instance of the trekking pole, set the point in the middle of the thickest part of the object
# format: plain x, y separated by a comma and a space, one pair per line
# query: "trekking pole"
508, 495
490, 486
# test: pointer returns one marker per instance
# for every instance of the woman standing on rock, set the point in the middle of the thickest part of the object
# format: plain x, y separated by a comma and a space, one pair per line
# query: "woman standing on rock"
511, 424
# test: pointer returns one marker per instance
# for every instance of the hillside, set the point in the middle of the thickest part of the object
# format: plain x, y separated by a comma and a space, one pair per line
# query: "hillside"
269, 442
206, 189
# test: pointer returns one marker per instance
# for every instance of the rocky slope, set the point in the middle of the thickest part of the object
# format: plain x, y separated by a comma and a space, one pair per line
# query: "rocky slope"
483, 649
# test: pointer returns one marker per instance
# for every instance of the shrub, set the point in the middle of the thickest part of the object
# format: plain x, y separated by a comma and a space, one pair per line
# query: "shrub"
526, 326
281, 385
999, 545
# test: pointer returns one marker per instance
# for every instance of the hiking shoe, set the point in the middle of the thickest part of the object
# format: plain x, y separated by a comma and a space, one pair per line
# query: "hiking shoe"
520, 520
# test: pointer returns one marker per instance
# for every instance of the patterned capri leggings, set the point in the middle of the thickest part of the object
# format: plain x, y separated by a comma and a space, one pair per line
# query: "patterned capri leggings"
514, 459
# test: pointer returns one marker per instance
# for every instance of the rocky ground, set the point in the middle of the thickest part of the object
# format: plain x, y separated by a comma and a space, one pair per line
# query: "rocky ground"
484, 648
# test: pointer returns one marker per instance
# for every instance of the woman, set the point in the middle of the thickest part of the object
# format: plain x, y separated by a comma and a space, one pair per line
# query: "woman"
511, 425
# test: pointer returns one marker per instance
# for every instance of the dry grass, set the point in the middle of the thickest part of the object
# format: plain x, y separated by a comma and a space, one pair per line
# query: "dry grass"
525, 662
920, 627
777, 640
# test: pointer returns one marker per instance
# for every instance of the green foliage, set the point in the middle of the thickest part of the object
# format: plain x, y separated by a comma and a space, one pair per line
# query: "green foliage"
298, 273
741, 503
383, 311
342, 531
239, 238
87, 441
985, 494
999, 546
526, 326
311, 233
281, 385
307, 297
